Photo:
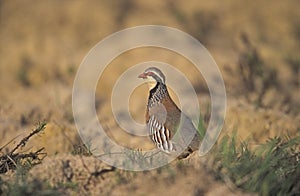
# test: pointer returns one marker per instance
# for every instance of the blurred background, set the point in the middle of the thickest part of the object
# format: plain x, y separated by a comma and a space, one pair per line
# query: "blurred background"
256, 45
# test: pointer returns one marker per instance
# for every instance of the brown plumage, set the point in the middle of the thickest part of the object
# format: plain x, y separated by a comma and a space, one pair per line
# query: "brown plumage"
165, 120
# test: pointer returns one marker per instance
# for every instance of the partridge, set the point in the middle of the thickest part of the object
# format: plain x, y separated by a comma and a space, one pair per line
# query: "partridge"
169, 128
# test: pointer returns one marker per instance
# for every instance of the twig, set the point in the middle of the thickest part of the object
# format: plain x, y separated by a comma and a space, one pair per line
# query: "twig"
11, 160
41, 127
96, 173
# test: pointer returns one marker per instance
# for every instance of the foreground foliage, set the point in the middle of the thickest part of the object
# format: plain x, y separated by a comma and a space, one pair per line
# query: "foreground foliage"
272, 168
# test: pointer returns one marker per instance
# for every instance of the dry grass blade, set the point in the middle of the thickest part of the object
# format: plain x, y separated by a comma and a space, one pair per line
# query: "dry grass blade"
9, 142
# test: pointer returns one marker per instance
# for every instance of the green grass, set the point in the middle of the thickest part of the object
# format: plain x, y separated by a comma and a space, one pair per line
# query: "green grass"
272, 168
21, 184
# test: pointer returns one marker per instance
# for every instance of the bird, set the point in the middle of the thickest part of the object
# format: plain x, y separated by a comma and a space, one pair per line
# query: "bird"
169, 128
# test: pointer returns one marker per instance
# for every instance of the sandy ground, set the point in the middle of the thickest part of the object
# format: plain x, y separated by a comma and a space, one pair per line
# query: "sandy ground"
42, 43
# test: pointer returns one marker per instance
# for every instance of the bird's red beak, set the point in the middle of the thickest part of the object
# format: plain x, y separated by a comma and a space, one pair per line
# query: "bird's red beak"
143, 76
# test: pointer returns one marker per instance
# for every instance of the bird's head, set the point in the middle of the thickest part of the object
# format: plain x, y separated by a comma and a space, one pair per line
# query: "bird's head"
153, 75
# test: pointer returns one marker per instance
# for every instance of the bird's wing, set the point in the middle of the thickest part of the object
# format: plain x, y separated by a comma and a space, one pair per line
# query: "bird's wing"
187, 133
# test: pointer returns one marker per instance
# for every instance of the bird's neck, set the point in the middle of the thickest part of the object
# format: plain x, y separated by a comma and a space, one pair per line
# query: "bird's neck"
151, 85
157, 93
153, 88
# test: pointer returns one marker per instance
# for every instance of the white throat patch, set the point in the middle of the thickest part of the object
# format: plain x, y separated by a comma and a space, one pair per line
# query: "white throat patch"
151, 82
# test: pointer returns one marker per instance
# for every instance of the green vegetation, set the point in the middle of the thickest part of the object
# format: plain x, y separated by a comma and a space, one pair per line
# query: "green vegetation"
21, 185
272, 168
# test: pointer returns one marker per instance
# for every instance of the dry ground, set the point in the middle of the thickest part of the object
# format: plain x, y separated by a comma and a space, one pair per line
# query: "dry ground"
42, 43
